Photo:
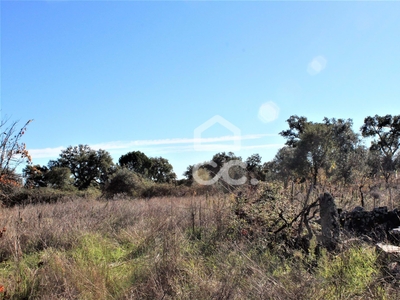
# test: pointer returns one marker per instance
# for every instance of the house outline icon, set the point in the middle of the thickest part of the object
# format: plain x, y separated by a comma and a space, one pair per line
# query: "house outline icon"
217, 119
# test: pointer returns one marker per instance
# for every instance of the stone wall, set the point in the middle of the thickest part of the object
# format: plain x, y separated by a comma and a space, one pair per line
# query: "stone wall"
376, 224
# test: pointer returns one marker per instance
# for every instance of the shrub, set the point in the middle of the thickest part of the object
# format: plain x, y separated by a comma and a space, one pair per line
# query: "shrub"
23, 196
347, 274
124, 181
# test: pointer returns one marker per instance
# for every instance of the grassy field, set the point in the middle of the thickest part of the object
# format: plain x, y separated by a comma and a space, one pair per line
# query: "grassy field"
194, 247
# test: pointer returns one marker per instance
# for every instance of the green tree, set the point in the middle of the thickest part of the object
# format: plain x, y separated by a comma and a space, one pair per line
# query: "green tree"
312, 142
157, 169
59, 178
219, 160
226, 169
136, 161
37, 176
373, 163
254, 167
347, 153
201, 172
318, 146
284, 167
161, 170
88, 167
189, 175
386, 130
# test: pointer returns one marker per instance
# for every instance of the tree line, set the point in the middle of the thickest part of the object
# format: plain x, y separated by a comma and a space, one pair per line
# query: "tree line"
82, 167
314, 151
331, 148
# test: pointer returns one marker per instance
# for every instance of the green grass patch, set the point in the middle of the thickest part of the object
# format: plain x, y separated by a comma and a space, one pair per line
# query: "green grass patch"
19, 276
103, 266
347, 274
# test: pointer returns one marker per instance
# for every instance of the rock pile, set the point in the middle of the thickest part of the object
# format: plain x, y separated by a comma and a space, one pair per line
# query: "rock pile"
377, 224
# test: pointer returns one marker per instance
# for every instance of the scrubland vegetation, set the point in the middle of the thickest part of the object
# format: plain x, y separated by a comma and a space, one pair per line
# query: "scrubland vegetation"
86, 228
195, 247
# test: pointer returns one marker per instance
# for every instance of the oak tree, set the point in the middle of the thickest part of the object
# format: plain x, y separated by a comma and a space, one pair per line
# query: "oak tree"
88, 167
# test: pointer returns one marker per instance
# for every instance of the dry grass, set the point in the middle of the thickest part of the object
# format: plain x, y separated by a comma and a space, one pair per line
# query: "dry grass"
172, 248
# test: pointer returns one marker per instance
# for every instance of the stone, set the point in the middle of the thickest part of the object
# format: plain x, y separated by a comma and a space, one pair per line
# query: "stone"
329, 221
375, 224
388, 249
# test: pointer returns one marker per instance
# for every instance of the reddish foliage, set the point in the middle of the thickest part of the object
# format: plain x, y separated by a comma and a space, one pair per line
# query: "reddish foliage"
5, 179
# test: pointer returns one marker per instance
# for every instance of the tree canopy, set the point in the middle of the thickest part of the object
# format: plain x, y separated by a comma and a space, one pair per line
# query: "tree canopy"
313, 150
386, 131
319, 145
157, 169
226, 169
88, 167
136, 161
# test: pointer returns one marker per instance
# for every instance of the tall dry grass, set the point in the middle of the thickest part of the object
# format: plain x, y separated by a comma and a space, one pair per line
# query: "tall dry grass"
176, 248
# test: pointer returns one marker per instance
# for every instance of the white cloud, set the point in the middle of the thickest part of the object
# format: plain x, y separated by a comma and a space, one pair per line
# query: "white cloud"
268, 112
155, 146
46, 152
206, 148
264, 146
317, 64
130, 144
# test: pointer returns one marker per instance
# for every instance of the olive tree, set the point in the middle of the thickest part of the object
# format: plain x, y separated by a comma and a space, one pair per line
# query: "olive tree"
284, 167
319, 146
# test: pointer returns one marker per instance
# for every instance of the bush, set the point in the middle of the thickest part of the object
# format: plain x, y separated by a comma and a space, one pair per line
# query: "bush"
347, 274
24, 196
124, 181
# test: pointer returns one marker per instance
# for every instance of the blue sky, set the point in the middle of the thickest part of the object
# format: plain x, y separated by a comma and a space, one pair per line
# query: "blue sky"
127, 76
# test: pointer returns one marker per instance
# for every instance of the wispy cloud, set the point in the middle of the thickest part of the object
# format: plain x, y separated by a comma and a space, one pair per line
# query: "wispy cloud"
46, 152
206, 148
128, 144
163, 145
